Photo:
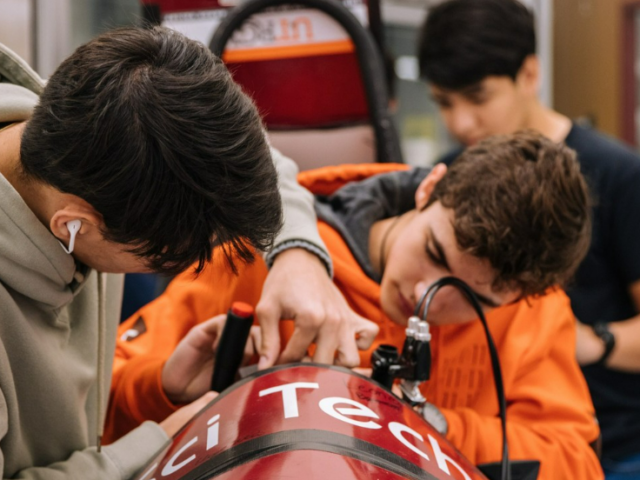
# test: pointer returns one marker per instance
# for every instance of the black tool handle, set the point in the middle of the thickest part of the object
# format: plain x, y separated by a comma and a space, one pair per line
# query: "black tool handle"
231, 346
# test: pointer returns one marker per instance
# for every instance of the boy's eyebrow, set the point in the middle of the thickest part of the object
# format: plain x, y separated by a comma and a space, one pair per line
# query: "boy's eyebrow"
445, 264
472, 90
438, 96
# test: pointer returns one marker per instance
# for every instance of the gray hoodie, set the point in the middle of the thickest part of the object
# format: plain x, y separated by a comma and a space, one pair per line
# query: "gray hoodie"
58, 327
57, 336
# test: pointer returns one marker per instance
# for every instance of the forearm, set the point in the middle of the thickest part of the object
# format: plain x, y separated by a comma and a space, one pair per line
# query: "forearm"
626, 353
298, 209
561, 448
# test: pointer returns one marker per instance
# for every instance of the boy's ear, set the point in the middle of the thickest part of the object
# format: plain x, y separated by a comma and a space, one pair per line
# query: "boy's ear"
88, 216
528, 77
428, 184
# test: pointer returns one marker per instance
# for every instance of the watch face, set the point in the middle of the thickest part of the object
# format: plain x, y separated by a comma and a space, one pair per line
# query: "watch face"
602, 331
604, 334
434, 416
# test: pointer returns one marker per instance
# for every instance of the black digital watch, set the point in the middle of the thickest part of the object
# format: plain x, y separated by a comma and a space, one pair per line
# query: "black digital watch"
602, 331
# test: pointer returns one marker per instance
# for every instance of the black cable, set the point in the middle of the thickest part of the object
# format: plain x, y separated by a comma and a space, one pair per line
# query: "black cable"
426, 299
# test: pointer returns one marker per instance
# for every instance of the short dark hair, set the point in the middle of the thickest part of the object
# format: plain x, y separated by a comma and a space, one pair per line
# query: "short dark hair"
464, 41
521, 202
149, 128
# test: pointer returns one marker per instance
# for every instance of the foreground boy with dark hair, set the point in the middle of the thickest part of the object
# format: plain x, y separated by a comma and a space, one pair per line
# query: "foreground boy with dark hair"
510, 218
141, 154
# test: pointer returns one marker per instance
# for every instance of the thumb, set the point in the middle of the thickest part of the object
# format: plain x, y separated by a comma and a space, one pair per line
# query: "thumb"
269, 319
194, 407
200, 403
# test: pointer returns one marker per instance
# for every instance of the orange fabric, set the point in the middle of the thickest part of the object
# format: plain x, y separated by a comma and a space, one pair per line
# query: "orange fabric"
326, 180
136, 392
550, 415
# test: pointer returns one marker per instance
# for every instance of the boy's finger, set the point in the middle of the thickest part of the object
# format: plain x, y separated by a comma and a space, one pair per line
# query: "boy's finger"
365, 372
297, 347
203, 336
253, 344
348, 355
269, 319
213, 325
174, 422
326, 346
366, 333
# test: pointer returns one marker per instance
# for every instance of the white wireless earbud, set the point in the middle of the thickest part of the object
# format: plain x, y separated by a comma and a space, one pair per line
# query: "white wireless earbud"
74, 227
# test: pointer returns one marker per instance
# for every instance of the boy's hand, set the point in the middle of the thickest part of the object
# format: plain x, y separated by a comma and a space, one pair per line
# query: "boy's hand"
187, 373
299, 288
174, 422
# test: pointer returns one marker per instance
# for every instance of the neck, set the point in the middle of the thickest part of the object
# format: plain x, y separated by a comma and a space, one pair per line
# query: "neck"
38, 197
382, 236
548, 122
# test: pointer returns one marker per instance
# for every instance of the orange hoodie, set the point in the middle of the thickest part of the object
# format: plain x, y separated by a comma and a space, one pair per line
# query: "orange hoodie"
549, 417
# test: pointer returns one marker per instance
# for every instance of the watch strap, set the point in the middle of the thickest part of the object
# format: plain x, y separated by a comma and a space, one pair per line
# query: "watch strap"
601, 329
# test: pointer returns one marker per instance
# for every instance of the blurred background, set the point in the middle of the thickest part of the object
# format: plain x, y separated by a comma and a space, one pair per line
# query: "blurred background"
588, 48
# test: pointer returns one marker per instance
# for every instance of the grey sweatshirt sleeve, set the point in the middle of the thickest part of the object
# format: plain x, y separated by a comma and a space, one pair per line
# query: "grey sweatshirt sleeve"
300, 226
119, 461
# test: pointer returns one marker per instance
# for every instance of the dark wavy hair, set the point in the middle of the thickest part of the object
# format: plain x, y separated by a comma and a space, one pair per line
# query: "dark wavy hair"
150, 129
521, 202
464, 41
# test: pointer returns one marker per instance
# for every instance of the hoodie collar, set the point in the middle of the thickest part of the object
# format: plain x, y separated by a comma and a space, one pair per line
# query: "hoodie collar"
32, 262
15, 70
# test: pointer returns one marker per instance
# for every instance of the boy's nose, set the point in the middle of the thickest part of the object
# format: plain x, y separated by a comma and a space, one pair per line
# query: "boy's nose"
462, 123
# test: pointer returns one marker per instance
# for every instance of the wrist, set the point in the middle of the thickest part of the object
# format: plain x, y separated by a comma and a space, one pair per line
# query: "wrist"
607, 342
301, 245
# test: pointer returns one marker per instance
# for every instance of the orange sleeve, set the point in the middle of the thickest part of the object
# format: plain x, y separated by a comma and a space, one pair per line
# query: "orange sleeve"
550, 416
147, 339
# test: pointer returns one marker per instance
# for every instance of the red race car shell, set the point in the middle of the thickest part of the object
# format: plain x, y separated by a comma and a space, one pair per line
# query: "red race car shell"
312, 420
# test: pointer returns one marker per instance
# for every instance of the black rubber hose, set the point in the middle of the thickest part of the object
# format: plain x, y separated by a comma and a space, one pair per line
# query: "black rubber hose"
426, 299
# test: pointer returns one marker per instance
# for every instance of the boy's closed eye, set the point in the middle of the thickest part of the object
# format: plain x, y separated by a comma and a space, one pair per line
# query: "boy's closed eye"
436, 254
